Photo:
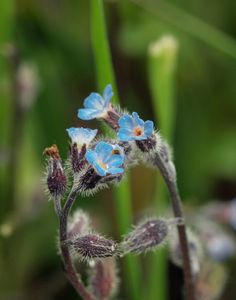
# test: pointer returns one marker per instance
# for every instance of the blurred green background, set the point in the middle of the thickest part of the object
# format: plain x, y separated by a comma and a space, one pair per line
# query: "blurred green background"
46, 55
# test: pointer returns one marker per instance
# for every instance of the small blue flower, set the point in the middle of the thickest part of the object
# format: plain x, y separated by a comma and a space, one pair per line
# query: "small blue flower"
134, 128
81, 135
96, 106
104, 160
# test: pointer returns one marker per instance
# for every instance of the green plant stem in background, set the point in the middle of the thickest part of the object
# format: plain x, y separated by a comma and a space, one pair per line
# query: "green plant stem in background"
194, 26
123, 201
162, 56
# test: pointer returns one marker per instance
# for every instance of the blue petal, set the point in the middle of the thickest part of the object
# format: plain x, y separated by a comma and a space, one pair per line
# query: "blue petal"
126, 121
101, 171
103, 150
125, 135
91, 156
115, 170
88, 113
140, 137
71, 132
148, 128
108, 93
94, 100
115, 160
137, 120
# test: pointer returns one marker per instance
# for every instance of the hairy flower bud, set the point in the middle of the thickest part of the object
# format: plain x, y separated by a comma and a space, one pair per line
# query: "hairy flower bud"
103, 279
195, 250
91, 246
146, 236
112, 117
56, 179
78, 160
78, 224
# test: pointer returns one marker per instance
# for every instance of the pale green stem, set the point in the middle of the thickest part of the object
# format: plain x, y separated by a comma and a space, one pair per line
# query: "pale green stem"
123, 199
161, 70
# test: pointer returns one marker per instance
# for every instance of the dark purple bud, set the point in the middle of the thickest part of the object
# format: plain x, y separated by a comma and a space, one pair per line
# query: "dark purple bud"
91, 246
145, 236
147, 145
90, 181
103, 279
112, 117
56, 179
78, 160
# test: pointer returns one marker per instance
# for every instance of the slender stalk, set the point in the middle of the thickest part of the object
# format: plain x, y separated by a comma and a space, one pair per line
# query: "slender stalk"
71, 273
162, 58
177, 209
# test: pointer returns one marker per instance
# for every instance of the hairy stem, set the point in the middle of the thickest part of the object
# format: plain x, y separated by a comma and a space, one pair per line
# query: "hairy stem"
71, 273
177, 208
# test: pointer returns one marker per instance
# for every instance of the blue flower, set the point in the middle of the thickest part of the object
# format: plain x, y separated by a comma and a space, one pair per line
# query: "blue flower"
81, 135
134, 128
96, 106
104, 160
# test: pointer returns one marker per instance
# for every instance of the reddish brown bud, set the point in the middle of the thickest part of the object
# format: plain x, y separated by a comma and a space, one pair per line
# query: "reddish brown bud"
92, 246
103, 279
56, 179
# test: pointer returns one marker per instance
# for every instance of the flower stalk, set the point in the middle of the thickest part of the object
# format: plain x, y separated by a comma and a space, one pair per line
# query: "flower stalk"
170, 181
71, 273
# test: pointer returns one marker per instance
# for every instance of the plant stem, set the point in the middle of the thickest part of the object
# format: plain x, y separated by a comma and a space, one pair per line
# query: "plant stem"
71, 273
178, 212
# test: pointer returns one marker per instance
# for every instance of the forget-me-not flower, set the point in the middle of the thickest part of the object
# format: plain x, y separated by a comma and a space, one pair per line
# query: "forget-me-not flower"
96, 106
81, 135
104, 160
134, 128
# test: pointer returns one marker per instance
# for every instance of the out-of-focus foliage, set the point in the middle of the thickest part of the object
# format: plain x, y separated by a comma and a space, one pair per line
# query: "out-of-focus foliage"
54, 36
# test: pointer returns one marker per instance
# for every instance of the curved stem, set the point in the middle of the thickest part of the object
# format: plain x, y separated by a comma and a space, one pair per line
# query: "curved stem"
71, 273
177, 209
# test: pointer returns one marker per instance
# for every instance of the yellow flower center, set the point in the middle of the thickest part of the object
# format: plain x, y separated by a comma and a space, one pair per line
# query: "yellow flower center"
104, 166
138, 131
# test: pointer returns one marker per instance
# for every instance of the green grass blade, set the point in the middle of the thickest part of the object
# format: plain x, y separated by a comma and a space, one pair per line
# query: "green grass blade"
105, 75
161, 69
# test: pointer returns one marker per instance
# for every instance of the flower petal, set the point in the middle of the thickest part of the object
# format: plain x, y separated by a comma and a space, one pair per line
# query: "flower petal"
108, 93
101, 171
148, 128
103, 150
126, 121
125, 135
88, 113
115, 170
115, 160
137, 120
94, 101
91, 156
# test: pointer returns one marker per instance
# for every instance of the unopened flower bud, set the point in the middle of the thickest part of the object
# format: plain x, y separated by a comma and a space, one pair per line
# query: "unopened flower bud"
56, 179
146, 236
92, 246
77, 157
195, 250
103, 279
78, 224
112, 117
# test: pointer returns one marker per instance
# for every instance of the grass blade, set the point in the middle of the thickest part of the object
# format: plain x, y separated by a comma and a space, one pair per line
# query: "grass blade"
105, 75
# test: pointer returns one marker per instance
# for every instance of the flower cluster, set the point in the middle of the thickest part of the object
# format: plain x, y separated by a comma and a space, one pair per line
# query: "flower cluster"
95, 162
